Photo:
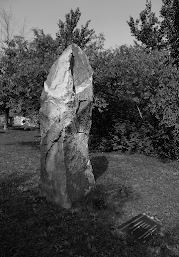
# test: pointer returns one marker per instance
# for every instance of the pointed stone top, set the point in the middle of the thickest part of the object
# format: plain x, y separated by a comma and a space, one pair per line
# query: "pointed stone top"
73, 65
81, 67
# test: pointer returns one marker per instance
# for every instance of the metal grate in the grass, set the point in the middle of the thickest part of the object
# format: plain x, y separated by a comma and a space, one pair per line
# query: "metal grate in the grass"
141, 228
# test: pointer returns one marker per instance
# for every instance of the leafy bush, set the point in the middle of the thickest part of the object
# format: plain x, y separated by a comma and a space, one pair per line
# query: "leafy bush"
140, 92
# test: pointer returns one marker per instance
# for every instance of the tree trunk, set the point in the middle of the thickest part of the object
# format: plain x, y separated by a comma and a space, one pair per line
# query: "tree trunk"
6, 117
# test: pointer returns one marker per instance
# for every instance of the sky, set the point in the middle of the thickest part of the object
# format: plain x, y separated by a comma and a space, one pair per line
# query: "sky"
107, 16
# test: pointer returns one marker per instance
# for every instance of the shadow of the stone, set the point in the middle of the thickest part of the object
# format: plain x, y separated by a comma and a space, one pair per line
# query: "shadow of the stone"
33, 144
24, 128
99, 165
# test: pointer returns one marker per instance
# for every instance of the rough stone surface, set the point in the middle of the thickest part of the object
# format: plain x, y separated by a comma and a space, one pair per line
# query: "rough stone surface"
65, 122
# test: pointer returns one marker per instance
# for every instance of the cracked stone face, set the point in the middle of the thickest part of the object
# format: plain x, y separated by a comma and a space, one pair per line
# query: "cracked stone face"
65, 122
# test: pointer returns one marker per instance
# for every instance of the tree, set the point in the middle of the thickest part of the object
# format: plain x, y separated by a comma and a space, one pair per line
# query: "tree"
146, 29
69, 33
9, 60
42, 53
154, 34
11, 90
23, 31
25, 66
7, 25
170, 27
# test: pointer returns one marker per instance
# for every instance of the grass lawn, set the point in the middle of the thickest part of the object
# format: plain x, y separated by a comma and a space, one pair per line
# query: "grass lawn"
126, 185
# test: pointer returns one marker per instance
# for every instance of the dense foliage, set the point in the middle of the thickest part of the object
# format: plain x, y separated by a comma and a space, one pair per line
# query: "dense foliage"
12, 88
140, 93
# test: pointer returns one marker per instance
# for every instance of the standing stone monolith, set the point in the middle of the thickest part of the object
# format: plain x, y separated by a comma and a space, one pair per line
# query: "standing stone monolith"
65, 122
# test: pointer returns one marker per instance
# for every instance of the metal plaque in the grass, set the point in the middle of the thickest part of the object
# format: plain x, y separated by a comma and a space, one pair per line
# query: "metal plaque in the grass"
141, 228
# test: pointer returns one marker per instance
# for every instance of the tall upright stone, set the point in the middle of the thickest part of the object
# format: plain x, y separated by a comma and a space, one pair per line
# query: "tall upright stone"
65, 122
